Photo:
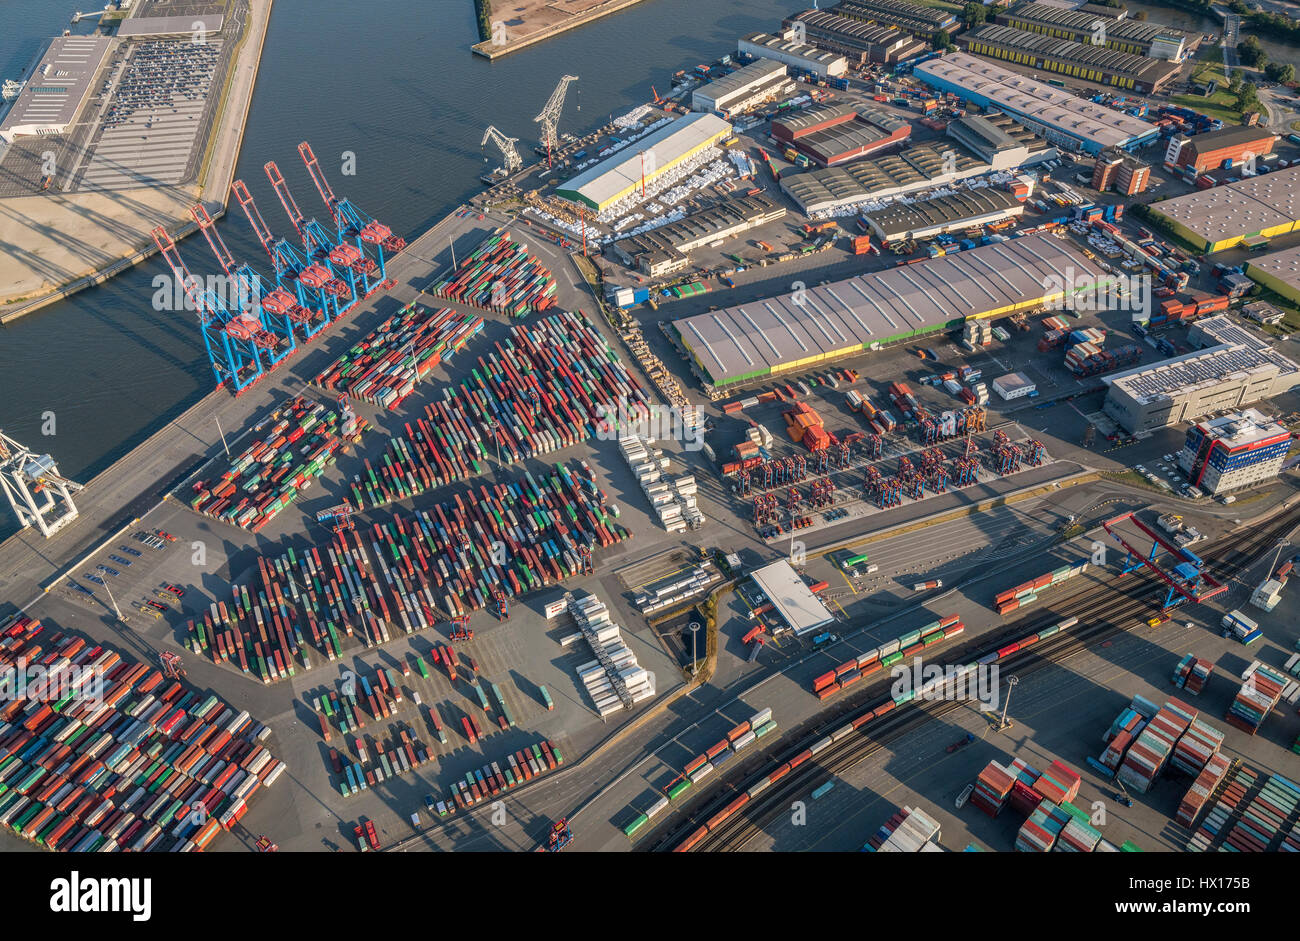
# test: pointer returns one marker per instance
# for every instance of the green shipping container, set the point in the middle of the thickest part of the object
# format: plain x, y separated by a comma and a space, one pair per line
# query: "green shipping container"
635, 825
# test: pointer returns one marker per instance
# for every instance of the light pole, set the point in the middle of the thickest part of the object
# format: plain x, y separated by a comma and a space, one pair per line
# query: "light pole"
1012, 681
695, 628
223, 435
111, 601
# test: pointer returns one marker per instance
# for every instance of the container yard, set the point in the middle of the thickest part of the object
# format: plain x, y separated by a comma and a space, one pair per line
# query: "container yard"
549, 386
799, 531
383, 368
476, 551
292, 446
500, 275
143, 764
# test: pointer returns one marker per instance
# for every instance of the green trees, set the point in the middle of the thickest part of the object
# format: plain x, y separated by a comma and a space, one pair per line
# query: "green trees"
973, 14
1252, 53
1280, 72
484, 19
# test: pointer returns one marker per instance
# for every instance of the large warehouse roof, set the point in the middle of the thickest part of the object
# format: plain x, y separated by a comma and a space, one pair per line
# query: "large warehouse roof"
1247, 207
948, 211
621, 173
793, 599
919, 167
776, 333
1284, 266
1142, 69
1037, 101
54, 92
1085, 23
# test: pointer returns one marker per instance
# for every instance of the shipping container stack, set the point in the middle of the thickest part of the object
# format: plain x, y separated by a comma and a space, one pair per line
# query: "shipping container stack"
1261, 689
1196, 747
1192, 673
887, 654
515, 769
294, 444
1203, 789
384, 368
410, 572
992, 788
910, 830
1039, 833
1013, 599
614, 680
552, 384
1058, 784
500, 275
1154, 746
141, 764
1240, 781
1263, 822
673, 498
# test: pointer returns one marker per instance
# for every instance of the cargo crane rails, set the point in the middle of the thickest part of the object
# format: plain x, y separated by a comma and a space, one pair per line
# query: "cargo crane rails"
26, 476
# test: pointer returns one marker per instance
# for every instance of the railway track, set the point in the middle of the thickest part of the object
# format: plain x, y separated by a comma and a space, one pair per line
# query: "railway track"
718, 826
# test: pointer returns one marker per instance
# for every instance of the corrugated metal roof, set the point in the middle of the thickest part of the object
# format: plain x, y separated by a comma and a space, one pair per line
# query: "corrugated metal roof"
54, 92
1053, 48
615, 174
1242, 208
949, 210
1020, 95
1283, 265
879, 306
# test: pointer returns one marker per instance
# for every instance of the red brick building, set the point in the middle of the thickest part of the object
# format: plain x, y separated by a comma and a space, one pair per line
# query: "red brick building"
1213, 149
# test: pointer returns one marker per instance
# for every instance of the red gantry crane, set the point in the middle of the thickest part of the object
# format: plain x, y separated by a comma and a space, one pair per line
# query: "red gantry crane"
1186, 579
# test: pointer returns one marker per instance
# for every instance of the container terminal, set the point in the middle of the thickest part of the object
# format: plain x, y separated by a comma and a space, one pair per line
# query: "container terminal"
573, 495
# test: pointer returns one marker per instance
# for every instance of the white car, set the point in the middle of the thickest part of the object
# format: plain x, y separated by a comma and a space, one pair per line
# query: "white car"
1139, 468
1169, 458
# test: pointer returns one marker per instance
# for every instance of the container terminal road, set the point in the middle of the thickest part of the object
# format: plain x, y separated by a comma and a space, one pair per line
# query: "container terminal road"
968, 509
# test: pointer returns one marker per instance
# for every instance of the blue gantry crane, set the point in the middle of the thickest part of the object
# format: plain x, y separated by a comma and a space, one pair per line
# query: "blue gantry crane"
1184, 574
274, 314
334, 259
300, 280
237, 343
354, 224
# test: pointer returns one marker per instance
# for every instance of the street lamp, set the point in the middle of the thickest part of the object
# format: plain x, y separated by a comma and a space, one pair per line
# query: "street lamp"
1012, 681
695, 628
111, 601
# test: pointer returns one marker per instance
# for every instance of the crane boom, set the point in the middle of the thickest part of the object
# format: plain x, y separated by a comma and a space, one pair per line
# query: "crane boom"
549, 119
281, 188
215, 241
509, 155
317, 176
260, 228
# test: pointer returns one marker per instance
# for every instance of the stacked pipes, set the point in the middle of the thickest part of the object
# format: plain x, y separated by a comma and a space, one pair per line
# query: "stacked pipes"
404, 575
552, 384
297, 442
500, 275
384, 368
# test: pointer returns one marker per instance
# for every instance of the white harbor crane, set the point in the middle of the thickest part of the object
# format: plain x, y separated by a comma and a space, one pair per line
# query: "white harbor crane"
509, 156
549, 119
38, 493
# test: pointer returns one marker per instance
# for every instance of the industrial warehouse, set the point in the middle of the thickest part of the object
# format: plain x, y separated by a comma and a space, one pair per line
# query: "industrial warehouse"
1078, 60
1210, 150
621, 174
920, 21
798, 55
1062, 118
667, 248
1260, 207
835, 134
1279, 272
818, 325
860, 43
980, 145
53, 95
760, 81
1121, 34
927, 218
1234, 369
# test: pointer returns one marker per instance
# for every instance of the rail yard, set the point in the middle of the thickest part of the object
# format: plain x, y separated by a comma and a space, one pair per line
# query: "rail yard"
809, 436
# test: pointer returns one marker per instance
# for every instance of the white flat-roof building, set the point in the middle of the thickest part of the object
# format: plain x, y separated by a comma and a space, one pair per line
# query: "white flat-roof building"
783, 48
49, 102
793, 600
761, 80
